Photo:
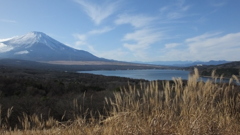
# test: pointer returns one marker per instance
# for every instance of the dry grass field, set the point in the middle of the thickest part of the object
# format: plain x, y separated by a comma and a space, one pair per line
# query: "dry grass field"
192, 108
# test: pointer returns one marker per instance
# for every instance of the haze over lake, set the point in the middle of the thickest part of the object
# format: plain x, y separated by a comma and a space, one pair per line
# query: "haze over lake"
147, 74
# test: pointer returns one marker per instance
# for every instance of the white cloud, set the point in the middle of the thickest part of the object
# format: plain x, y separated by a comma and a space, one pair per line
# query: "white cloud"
135, 20
211, 46
144, 35
142, 39
216, 45
98, 12
202, 37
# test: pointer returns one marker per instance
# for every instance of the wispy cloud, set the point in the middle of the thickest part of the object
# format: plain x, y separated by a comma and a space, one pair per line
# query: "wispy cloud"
100, 31
174, 11
181, 5
215, 46
92, 49
202, 37
135, 20
217, 3
142, 39
82, 38
209, 46
8, 21
98, 12
144, 35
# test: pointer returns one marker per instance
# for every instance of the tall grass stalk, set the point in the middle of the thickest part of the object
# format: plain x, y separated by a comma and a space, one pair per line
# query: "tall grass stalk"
176, 108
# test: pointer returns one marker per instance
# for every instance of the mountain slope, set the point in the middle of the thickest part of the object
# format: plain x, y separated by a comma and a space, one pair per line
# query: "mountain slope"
37, 46
187, 63
227, 69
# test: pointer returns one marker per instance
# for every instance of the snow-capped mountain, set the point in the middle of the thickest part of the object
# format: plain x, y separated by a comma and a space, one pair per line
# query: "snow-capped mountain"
38, 46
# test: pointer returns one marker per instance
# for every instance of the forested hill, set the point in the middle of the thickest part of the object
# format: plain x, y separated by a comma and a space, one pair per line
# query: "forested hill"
227, 70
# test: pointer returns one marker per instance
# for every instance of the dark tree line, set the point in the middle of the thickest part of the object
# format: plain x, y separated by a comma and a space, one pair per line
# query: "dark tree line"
50, 93
227, 72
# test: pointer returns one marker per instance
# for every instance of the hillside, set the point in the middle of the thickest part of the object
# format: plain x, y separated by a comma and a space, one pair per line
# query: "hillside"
50, 102
227, 70
187, 63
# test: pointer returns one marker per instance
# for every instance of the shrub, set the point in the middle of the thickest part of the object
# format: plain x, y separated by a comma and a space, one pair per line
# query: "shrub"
180, 108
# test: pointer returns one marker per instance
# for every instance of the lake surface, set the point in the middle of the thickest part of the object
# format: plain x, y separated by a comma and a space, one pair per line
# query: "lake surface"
151, 74
147, 74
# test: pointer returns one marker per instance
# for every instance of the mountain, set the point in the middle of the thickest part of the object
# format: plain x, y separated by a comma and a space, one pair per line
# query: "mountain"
186, 63
37, 46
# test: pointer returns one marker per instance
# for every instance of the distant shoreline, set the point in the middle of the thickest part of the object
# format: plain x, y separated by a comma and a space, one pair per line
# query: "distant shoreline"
219, 77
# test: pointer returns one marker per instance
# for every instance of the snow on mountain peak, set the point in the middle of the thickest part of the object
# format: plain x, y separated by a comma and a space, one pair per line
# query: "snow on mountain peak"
28, 39
32, 38
39, 46
5, 48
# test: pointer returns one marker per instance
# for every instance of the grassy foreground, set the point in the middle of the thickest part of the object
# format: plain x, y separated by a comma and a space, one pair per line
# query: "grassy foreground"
178, 109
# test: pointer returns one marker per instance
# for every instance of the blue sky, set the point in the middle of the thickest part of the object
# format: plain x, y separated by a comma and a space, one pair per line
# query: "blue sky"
132, 30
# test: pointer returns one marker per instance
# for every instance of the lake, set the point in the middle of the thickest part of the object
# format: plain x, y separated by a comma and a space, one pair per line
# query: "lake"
147, 74
151, 74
